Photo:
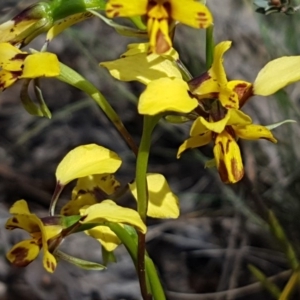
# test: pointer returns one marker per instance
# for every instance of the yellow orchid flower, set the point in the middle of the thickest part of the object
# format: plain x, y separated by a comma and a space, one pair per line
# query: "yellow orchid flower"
159, 14
90, 190
109, 211
93, 165
51, 17
166, 90
16, 65
224, 131
272, 77
26, 251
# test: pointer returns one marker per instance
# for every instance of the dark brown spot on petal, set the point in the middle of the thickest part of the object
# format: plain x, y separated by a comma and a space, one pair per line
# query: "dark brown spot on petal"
236, 172
25, 15
196, 82
20, 254
227, 146
15, 74
162, 45
245, 94
117, 5
15, 220
52, 266
114, 14
223, 171
231, 100
222, 148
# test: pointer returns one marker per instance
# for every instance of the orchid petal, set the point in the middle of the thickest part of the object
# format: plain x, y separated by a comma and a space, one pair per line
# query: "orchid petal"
277, 74
228, 158
164, 95
162, 202
87, 160
195, 142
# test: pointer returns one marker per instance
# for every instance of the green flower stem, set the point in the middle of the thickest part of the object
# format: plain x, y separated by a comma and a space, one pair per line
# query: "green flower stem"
142, 190
71, 77
155, 283
152, 279
142, 164
64, 8
210, 45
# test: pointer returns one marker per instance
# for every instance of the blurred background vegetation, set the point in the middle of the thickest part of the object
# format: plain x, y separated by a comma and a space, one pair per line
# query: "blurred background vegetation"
206, 252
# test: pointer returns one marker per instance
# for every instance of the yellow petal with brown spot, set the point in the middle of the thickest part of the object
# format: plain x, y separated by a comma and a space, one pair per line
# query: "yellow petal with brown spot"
228, 158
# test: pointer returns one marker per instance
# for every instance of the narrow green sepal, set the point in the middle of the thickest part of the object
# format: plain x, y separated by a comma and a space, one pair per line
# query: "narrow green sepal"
121, 29
275, 125
43, 106
108, 256
84, 264
28, 104
68, 221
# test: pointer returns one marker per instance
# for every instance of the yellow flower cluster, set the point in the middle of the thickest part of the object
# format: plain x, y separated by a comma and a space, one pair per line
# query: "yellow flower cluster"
211, 101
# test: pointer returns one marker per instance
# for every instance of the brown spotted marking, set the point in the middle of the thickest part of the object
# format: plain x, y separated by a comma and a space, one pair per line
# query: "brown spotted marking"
162, 45
202, 19
227, 146
15, 220
52, 266
114, 10
196, 81
20, 253
237, 173
222, 148
223, 171
48, 263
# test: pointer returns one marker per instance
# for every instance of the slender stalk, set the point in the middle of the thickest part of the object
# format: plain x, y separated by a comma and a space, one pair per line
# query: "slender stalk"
142, 193
54, 199
142, 165
152, 279
141, 268
71, 77
210, 45
155, 283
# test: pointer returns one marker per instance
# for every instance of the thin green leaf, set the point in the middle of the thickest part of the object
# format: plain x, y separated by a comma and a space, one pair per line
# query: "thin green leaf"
84, 264
43, 106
